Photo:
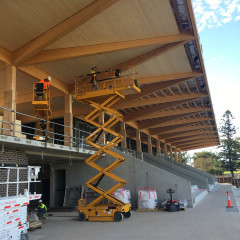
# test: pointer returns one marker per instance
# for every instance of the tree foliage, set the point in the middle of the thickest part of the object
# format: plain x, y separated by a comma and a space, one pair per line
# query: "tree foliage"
230, 146
208, 162
185, 157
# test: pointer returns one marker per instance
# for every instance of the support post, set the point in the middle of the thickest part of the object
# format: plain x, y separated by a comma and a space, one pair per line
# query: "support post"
170, 150
124, 134
179, 157
165, 150
9, 101
158, 149
176, 158
139, 144
68, 121
149, 144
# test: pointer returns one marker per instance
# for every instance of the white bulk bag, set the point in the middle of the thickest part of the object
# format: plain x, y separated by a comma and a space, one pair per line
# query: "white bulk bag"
147, 199
123, 195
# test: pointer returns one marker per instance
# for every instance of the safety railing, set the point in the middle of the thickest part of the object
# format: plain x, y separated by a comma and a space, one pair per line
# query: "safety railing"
16, 128
230, 180
111, 79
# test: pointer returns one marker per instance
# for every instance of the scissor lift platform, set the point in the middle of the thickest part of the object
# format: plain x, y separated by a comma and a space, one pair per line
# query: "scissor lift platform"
42, 104
105, 95
42, 108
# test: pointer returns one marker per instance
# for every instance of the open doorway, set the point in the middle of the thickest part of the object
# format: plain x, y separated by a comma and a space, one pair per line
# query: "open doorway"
60, 185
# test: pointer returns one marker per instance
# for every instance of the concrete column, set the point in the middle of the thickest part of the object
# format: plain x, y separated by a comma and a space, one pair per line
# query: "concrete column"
68, 120
179, 157
149, 144
124, 134
9, 100
158, 149
102, 138
170, 150
139, 144
165, 150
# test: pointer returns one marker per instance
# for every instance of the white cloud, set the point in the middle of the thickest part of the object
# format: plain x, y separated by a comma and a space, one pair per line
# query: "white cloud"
214, 58
215, 13
213, 3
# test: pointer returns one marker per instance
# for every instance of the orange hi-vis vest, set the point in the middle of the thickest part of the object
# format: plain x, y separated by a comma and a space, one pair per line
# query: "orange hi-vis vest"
45, 85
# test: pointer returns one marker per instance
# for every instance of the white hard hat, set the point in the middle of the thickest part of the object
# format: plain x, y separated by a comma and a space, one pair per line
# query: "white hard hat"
49, 78
40, 201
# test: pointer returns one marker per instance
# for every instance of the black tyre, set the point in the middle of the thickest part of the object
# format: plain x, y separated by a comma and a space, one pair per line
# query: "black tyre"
127, 214
82, 217
118, 217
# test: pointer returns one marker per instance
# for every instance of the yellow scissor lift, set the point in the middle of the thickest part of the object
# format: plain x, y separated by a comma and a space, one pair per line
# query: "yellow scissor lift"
108, 92
42, 103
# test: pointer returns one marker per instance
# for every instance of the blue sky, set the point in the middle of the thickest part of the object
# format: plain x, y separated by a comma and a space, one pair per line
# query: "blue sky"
218, 24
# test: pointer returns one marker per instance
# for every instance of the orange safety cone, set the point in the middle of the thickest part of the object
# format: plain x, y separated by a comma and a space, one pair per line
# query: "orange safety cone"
229, 201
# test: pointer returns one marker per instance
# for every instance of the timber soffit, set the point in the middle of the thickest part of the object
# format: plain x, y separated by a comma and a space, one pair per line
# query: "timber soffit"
193, 89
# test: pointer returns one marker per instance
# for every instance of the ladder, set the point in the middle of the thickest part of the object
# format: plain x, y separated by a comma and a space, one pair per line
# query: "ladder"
102, 100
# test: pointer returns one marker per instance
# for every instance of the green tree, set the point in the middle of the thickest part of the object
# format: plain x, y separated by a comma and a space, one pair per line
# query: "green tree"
207, 162
185, 157
229, 153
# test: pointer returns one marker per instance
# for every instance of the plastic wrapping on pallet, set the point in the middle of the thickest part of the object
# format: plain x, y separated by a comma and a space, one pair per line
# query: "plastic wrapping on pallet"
123, 194
147, 198
33, 216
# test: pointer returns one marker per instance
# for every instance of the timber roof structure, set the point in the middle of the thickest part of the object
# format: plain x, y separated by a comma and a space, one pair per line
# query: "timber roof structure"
159, 38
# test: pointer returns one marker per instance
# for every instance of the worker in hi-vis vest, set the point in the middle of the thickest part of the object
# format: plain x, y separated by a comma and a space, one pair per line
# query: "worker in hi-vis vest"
42, 92
93, 74
42, 209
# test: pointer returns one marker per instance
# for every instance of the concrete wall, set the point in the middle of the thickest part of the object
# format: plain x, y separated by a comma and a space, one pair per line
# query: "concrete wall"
194, 178
137, 174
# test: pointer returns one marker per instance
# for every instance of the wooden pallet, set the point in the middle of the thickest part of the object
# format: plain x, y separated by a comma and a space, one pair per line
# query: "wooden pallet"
147, 210
34, 225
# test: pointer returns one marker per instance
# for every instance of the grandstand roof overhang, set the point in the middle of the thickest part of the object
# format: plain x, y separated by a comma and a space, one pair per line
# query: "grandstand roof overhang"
159, 38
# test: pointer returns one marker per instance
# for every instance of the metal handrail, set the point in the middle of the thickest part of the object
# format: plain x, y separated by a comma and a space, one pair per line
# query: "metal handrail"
73, 139
82, 84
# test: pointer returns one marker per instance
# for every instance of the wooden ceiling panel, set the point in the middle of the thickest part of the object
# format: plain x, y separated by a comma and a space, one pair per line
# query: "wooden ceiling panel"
174, 61
127, 20
28, 19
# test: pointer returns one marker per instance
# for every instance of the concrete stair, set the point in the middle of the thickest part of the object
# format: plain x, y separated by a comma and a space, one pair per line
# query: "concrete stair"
193, 177
198, 194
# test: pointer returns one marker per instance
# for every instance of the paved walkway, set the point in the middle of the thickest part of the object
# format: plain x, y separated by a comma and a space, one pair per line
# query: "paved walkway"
209, 220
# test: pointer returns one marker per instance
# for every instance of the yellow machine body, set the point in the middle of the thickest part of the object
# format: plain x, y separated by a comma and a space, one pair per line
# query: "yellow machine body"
102, 212
108, 93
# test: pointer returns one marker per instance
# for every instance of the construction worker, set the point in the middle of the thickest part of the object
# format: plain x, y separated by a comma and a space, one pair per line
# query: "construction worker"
46, 83
93, 74
42, 209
